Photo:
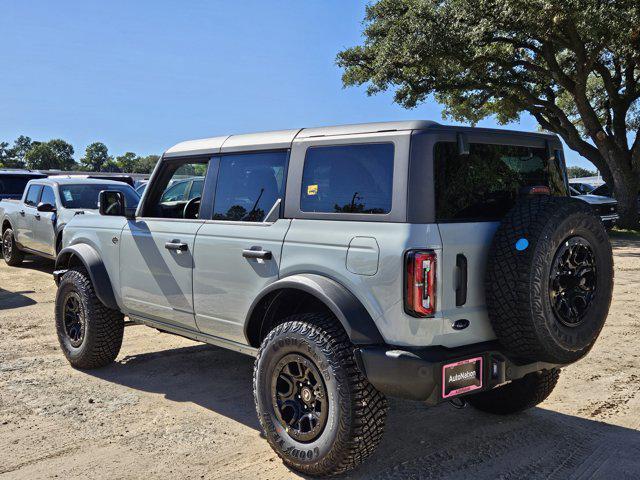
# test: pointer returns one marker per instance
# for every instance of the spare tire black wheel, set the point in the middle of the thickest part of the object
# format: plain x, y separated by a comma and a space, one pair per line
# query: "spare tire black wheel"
549, 279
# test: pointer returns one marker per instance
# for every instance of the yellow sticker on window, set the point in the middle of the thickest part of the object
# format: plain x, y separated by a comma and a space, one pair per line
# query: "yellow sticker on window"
312, 189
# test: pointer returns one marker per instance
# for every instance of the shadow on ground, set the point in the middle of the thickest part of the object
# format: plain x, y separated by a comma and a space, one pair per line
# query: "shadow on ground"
33, 262
420, 442
624, 240
10, 300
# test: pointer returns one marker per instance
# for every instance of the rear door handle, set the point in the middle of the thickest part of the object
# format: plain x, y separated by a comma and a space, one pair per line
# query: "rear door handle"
257, 252
176, 246
22, 212
461, 287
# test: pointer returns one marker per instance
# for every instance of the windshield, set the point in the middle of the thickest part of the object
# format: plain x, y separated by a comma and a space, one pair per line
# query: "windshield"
86, 195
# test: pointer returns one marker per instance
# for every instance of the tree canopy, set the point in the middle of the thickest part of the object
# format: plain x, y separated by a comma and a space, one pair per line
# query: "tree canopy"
95, 157
52, 155
579, 172
573, 65
58, 154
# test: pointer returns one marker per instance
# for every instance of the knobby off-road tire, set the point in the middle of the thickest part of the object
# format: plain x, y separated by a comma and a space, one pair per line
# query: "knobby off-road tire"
90, 334
10, 251
519, 395
355, 411
528, 300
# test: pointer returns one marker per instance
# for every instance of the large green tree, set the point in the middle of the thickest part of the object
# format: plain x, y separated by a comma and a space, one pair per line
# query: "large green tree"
41, 157
64, 154
5, 154
14, 157
146, 164
573, 65
96, 157
127, 162
52, 155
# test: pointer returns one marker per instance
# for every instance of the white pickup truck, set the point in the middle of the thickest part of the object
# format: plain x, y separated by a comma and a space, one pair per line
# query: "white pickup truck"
34, 223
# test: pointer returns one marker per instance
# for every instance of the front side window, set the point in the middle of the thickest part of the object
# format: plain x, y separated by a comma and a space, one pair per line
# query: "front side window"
85, 195
485, 184
48, 196
348, 179
33, 195
169, 197
249, 185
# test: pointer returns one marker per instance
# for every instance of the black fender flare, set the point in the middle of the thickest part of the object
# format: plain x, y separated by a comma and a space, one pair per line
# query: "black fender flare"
58, 234
94, 265
353, 316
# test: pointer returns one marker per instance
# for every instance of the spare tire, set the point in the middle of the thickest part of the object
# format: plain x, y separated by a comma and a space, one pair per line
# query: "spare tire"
549, 279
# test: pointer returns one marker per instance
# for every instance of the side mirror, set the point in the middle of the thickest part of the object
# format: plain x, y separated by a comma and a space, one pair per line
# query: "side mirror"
112, 203
45, 207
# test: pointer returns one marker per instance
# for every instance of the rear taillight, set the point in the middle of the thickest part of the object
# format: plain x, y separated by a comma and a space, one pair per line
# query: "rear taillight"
420, 283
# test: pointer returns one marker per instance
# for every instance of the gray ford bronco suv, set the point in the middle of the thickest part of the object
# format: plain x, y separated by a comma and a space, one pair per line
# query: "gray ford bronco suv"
407, 259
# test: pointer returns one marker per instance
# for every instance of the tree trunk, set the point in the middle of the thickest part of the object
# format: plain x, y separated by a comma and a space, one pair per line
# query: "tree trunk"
627, 189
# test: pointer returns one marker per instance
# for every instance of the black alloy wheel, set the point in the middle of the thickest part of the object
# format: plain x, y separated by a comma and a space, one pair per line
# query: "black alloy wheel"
7, 245
299, 397
573, 281
74, 323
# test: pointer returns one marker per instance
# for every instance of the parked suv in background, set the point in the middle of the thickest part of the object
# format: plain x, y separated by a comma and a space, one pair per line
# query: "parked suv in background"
408, 259
12, 182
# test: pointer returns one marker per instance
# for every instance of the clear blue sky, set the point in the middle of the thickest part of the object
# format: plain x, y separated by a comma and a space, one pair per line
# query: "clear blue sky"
143, 75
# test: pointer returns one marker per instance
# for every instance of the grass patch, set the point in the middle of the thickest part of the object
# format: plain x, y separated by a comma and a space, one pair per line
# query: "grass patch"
625, 233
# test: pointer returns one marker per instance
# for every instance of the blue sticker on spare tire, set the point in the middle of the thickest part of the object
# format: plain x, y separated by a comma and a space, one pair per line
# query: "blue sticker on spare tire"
522, 244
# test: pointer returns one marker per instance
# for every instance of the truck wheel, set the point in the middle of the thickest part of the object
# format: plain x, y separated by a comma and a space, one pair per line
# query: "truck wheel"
318, 412
549, 279
10, 251
89, 333
519, 395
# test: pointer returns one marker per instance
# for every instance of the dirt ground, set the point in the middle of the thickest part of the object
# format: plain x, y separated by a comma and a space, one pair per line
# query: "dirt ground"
172, 408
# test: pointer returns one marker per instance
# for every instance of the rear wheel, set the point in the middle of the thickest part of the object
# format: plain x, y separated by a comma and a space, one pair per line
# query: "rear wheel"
518, 395
318, 412
90, 334
10, 251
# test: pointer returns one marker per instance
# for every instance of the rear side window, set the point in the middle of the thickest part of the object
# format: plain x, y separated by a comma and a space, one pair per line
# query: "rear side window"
484, 185
348, 179
48, 196
176, 192
249, 184
196, 188
33, 195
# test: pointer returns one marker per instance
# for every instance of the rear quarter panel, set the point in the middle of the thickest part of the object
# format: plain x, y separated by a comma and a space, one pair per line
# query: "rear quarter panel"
8, 211
321, 247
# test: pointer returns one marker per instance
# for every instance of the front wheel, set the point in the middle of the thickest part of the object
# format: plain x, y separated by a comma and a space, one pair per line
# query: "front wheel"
10, 251
318, 412
90, 334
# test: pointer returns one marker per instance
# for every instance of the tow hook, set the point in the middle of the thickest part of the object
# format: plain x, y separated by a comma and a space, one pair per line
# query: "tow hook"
458, 403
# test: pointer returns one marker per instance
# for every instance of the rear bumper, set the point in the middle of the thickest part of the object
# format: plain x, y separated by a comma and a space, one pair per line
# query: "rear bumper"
417, 374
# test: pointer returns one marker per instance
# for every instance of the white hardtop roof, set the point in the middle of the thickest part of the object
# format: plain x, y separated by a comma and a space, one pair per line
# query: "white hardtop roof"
77, 180
283, 138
